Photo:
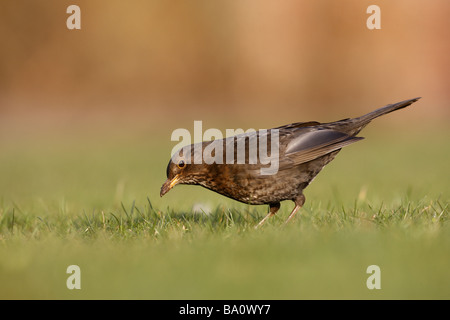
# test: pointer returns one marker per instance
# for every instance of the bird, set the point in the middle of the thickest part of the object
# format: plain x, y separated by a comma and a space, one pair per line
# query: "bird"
303, 149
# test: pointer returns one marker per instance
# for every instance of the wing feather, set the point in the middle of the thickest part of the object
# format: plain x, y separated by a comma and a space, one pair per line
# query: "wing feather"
314, 144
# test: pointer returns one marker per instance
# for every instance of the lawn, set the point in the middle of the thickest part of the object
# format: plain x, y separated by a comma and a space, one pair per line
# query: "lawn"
94, 202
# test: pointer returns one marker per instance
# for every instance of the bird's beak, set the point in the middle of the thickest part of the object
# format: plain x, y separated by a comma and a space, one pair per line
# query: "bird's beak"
169, 184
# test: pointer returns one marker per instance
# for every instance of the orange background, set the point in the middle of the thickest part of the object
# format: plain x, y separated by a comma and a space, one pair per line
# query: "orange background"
251, 63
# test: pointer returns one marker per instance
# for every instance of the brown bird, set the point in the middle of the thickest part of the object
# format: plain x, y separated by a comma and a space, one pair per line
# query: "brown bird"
298, 150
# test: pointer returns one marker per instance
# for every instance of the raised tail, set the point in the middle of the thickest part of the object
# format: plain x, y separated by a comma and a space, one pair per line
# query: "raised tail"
353, 126
365, 119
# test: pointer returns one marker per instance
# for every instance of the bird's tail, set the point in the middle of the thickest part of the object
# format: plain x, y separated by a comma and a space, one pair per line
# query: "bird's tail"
353, 126
365, 119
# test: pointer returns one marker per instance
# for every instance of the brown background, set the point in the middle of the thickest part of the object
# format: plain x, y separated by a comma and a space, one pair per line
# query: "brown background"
251, 63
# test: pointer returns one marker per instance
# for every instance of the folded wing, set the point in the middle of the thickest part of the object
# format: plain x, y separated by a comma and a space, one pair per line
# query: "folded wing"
310, 145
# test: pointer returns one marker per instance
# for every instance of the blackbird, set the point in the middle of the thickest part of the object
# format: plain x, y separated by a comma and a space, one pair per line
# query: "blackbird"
303, 149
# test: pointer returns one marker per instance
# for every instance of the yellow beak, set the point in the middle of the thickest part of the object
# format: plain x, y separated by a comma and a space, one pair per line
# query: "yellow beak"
169, 184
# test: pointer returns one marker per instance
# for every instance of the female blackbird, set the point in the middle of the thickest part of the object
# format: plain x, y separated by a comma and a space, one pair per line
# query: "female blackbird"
302, 149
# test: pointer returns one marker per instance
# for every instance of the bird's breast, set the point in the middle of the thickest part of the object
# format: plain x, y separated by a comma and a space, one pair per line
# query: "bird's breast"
245, 184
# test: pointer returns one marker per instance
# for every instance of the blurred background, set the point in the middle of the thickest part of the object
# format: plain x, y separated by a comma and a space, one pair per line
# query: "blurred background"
86, 118
139, 69
262, 63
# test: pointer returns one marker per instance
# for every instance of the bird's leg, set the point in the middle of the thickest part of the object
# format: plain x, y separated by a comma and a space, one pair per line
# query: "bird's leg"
299, 201
273, 209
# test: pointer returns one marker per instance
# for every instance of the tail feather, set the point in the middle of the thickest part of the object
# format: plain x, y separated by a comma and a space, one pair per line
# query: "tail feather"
353, 126
385, 110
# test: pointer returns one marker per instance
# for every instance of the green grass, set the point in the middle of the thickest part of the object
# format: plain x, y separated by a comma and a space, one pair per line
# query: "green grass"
95, 203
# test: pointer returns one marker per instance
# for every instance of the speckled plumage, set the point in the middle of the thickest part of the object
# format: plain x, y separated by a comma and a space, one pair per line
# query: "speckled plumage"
304, 149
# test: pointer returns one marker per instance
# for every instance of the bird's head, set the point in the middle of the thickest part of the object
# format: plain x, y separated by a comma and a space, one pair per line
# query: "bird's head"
181, 170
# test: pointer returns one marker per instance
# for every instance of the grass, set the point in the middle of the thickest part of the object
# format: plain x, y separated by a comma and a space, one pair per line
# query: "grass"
95, 203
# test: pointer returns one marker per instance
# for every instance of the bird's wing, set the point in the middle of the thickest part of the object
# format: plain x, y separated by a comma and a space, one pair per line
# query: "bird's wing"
298, 125
310, 145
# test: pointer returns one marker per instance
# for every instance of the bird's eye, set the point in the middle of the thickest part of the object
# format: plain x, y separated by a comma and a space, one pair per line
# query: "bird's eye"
181, 164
